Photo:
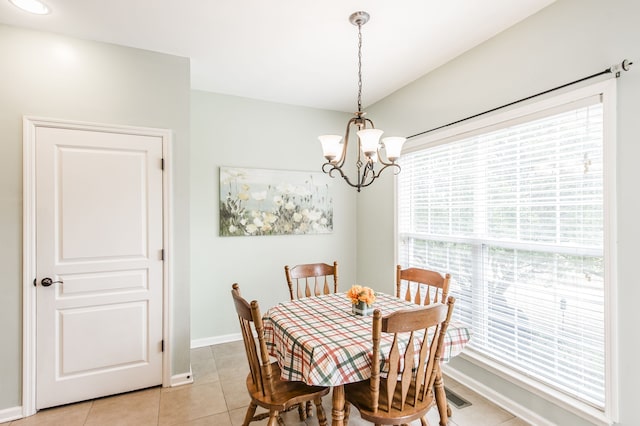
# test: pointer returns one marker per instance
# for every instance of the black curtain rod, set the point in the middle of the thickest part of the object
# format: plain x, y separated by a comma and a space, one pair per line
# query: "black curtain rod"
624, 66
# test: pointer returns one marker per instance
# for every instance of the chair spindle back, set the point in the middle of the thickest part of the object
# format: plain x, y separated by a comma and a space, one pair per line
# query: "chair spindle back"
257, 355
312, 279
411, 371
434, 286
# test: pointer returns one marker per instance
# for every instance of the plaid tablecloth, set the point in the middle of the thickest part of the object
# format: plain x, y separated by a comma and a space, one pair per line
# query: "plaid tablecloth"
317, 340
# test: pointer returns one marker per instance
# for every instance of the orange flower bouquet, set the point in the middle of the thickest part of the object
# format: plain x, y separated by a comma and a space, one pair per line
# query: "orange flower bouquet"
358, 293
362, 298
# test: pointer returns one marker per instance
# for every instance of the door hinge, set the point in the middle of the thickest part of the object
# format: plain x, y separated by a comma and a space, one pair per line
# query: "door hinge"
162, 346
162, 163
162, 254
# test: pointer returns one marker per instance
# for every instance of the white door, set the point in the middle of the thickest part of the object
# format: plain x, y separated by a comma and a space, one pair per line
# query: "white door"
99, 246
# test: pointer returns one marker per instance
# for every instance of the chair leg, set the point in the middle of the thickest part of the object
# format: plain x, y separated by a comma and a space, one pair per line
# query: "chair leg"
302, 412
423, 421
274, 418
305, 410
441, 398
322, 418
251, 411
347, 411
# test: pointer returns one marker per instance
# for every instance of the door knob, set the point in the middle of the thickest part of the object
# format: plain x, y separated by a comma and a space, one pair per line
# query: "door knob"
46, 282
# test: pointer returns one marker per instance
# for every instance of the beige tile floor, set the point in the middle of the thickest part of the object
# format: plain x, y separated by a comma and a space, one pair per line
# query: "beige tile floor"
218, 397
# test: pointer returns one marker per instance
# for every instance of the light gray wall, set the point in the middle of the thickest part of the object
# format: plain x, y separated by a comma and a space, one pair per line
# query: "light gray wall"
59, 77
240, 132
567, 40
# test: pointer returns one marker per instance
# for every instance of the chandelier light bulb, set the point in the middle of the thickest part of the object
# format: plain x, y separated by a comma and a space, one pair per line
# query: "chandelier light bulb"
393, 146
331, 147
369, 141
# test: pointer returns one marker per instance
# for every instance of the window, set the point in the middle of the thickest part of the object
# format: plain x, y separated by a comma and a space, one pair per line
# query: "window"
516, 213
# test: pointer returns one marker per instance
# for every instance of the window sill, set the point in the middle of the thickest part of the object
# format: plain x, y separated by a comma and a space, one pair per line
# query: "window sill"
553, 396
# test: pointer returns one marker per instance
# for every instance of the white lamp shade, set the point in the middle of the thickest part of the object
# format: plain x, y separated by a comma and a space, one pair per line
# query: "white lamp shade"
369, 140
393, 146
331, 147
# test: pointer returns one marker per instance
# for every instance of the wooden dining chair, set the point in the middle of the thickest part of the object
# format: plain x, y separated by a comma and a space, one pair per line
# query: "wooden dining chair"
264, 384
311, 279
306, 280
430, 286
406, 393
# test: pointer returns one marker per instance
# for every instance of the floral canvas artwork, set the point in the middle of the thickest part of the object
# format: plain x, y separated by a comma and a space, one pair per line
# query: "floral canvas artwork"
274, 202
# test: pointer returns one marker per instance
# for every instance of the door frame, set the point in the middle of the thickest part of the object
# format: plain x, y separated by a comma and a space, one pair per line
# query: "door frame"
29, 349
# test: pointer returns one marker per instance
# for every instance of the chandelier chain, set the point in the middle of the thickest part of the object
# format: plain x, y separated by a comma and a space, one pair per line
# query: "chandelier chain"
359, 67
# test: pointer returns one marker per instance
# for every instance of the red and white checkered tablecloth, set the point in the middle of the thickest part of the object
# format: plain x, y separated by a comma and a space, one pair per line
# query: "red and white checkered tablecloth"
317, 340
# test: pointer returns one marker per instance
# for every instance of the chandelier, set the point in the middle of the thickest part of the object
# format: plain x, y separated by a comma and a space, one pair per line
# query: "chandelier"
368, 137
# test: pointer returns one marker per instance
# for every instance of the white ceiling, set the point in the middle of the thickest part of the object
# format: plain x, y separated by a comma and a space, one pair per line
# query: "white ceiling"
299, 52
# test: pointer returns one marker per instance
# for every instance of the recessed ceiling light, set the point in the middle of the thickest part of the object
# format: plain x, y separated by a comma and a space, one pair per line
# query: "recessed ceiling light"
31, 6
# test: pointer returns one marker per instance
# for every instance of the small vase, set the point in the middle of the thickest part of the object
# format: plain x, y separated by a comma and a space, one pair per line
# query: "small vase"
361, 308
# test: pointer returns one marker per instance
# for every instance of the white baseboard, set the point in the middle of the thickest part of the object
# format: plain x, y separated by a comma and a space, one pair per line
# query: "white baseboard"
215, 340
15, 413
182, 379
499, 399
8, 414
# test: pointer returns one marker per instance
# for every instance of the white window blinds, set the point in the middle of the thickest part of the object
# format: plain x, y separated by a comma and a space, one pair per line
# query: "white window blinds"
515, 214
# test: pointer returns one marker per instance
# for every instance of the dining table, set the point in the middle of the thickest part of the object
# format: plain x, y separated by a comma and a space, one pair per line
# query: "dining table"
319, 341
